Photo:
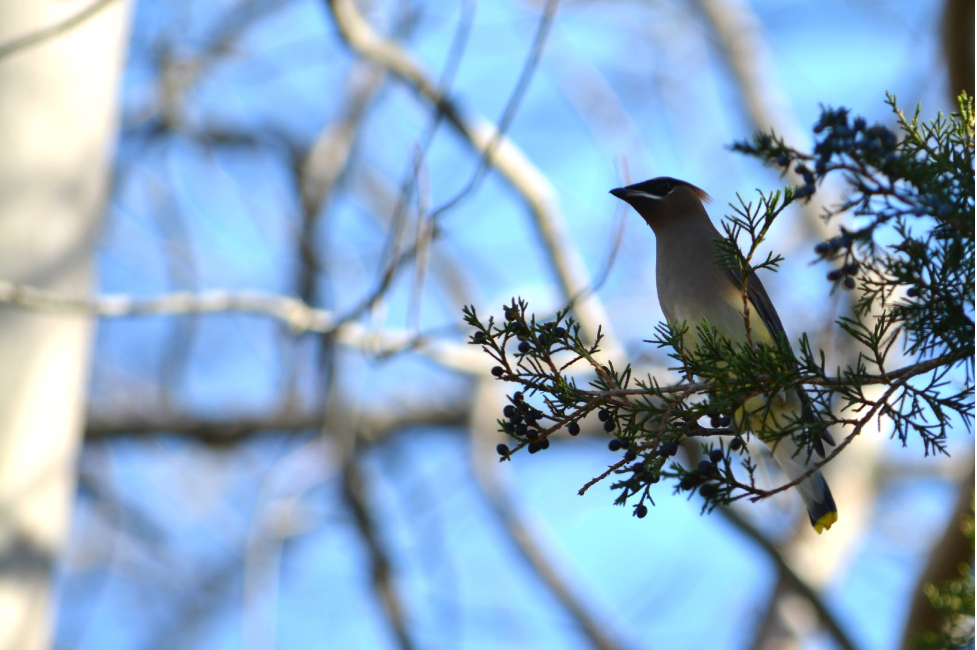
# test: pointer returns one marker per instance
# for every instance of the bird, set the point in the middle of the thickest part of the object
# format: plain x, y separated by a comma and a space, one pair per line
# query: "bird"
692, 287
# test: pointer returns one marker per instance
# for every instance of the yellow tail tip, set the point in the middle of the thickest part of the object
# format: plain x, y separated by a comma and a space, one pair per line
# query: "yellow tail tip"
824, 523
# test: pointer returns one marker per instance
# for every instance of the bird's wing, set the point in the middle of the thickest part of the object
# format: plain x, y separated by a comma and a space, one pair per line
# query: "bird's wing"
760, 301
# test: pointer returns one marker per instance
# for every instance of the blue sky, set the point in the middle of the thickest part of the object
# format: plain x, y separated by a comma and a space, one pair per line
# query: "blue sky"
641, 82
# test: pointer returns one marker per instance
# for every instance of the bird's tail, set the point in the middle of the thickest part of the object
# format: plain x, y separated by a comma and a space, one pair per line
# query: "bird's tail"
814, 489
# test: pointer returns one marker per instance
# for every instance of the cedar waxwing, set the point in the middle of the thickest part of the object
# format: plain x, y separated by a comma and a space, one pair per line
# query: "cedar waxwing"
692, 287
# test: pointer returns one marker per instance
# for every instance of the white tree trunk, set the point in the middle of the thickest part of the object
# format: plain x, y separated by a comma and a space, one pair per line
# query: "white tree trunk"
58, 102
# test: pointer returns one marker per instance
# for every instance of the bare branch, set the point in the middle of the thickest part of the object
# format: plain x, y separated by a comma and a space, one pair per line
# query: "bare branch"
373, 427
299, 317
511, 163
411, 184
741, 36
294, 313
226, 431
400, 256
549, 11
324, 163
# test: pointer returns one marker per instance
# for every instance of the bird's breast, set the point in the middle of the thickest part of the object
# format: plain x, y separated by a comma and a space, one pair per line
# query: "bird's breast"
695, 288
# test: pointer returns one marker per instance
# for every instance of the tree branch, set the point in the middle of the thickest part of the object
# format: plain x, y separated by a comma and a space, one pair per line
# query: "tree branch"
740, 35
374, 426
297, 315
323, 164
511, 163
398, 257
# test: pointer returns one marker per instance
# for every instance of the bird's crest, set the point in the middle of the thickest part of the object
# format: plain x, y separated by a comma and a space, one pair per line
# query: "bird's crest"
663, 185
702, 194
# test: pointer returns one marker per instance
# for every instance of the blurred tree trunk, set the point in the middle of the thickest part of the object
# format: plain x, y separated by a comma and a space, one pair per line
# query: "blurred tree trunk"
58, 99
949, 553
958, 46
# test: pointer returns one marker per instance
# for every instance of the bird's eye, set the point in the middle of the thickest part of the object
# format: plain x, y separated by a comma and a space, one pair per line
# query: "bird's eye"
662, 186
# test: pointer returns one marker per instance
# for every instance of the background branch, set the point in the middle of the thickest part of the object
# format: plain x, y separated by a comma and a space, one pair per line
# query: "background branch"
794, 582
506, 158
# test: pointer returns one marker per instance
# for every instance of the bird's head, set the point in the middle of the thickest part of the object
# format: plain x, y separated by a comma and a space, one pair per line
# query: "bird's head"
663, 200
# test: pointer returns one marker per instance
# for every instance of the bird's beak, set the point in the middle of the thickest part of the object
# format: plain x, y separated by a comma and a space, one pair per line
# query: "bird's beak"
630, 193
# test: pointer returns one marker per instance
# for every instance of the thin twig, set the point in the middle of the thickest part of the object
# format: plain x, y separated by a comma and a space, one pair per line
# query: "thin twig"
597, 479
511, 163
394, 256
398, 256
536, 51
324, 163
762, 494
423, 239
